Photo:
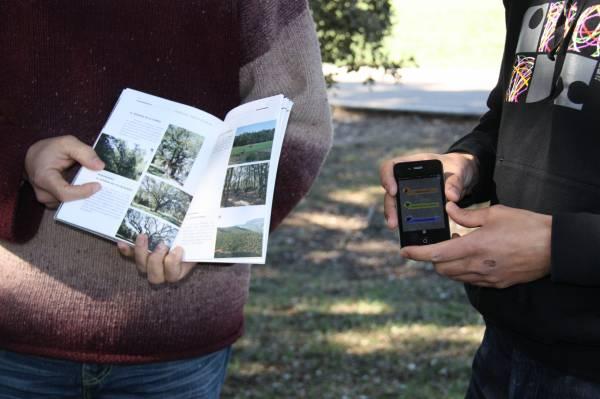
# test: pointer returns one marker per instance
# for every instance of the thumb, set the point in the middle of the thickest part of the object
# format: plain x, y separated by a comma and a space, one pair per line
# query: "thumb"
454, 188
466, 217
56, 184
83, 154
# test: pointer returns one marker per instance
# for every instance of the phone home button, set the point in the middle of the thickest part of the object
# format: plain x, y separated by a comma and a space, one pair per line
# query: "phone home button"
425, 241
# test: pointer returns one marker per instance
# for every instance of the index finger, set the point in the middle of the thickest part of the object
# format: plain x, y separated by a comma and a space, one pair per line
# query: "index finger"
82, 153
446, 251
386, 175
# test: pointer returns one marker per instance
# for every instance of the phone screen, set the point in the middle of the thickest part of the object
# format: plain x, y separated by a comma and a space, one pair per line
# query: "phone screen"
422, 204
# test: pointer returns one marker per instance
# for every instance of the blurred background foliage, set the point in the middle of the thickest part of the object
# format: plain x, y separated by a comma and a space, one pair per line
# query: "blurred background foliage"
353, 32
393, 34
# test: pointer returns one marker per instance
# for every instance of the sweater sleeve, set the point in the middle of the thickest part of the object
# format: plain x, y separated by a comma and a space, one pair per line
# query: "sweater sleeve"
281, 56
20, 212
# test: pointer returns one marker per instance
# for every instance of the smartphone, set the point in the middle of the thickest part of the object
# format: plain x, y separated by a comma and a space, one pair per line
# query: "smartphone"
421, 201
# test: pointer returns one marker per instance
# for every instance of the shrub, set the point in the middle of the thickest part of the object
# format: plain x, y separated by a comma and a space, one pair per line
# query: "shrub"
352, 32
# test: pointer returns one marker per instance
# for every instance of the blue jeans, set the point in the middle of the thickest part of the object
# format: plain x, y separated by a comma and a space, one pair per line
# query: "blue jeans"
500, 371
30, 377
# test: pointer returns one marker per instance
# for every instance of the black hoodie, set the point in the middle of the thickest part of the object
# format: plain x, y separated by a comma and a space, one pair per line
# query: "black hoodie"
539, 149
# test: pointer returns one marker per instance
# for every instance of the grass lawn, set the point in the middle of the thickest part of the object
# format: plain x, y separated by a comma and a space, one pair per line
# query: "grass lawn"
336, 313
449, 34
251, 153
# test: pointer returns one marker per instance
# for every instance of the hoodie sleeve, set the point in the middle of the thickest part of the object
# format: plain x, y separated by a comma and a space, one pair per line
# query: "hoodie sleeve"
482, 143
20, 212
575, 251
483, 140
282, 55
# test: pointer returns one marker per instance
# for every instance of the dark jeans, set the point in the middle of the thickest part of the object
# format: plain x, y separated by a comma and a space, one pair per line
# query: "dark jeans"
31, 377
502, 372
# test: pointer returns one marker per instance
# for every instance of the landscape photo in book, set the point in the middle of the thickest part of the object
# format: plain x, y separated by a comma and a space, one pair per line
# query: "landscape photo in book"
120, 157
176, 154
245, 185
136, 223
163, 200
241, 236
253, 143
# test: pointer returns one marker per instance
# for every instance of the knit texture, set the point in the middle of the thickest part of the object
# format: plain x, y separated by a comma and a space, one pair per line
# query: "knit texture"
69, 295
308, 137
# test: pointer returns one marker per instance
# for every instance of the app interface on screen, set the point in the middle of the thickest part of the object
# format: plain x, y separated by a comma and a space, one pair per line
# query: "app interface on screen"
421, 204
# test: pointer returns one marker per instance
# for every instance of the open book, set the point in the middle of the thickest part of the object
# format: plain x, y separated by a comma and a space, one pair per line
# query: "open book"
185, 177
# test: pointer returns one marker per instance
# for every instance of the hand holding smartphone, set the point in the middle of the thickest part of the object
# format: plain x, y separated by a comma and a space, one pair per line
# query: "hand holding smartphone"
421, 203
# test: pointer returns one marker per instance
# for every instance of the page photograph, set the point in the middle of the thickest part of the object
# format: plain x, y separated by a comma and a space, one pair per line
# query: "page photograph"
253, 143
162, 200
245, 185
176, 155
240, 233
136, 223
121, 157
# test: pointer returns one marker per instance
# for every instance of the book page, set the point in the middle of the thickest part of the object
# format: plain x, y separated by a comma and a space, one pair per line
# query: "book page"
199, 229
156, 152
244, 177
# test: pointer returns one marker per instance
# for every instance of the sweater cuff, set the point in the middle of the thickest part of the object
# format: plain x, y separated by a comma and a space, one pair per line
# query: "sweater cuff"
575, 239
20, 212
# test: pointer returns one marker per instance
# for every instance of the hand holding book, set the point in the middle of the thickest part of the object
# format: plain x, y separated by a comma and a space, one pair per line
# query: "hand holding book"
159, 266
48, 159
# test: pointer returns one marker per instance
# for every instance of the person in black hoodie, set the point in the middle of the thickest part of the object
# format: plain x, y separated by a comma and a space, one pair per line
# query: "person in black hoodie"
533, 267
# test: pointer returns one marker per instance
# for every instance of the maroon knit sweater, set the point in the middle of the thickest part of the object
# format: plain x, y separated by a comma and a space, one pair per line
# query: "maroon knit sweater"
63, 64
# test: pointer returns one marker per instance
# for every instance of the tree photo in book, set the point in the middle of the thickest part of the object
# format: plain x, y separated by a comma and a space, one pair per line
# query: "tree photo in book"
162, 200
253, 143
136, 223
246, 185
176, 154
121, 158
240, 241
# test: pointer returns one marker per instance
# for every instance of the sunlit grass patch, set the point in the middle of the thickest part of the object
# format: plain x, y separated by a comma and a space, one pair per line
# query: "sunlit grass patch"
430, 338
360, 307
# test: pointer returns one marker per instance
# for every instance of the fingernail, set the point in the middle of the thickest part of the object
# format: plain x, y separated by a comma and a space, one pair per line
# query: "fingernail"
141, 239
162, 247
98, 161
97, 187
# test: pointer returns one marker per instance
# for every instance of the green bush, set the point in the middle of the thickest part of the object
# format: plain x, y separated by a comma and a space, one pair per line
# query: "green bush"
352, 32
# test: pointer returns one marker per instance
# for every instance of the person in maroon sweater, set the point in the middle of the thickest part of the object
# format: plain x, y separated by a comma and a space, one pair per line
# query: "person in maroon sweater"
78, 319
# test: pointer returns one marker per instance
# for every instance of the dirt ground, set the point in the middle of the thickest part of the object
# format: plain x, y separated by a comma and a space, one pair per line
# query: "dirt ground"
336, 313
